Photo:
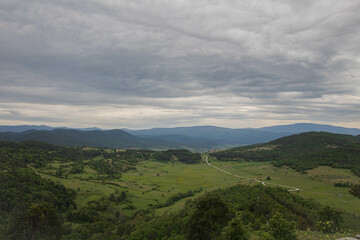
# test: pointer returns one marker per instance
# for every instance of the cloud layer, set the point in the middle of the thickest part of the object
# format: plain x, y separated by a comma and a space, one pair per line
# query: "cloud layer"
138, 64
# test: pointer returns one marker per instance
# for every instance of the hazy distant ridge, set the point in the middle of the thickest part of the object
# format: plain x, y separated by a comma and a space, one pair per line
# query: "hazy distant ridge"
197, 138
95, 138
310, 127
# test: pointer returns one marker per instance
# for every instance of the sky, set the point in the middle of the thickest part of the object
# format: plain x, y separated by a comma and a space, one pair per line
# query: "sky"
166, 63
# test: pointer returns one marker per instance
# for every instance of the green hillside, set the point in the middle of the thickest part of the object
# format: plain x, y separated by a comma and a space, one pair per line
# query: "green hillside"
209, 216
62, 192
302, 151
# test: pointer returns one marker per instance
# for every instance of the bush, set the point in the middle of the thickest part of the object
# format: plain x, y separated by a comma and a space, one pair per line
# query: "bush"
279, 229
235, 230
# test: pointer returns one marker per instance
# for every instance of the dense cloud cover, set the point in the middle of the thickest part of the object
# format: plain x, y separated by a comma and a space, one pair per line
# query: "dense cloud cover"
148, 63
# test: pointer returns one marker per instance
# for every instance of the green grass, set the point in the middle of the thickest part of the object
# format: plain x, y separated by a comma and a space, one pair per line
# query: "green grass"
313, 235
317, 184
86, 190
309, 235
172, 179
153, 182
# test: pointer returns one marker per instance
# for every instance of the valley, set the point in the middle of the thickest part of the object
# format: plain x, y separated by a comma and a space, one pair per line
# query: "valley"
153, 183
130, 194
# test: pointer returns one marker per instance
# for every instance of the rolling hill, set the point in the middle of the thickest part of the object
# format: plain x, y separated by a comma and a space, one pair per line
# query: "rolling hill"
302, 151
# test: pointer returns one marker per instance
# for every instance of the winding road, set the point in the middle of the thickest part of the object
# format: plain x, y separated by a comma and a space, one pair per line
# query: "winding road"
291, 189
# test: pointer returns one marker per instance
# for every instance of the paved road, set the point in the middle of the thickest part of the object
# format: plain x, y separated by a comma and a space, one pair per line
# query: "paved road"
291, 189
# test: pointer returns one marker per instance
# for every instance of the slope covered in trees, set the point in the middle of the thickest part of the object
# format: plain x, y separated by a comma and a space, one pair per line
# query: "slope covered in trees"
302, 151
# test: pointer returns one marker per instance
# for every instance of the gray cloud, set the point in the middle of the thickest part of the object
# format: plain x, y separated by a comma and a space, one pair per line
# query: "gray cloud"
170, 63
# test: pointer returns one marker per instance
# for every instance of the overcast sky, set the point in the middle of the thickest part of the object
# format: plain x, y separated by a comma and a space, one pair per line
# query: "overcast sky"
166, 63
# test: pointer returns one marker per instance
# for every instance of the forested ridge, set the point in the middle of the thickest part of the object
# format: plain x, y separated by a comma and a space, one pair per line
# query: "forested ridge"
302, 152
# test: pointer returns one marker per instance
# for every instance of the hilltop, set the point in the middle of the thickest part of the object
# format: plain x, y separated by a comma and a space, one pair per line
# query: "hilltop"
302, 151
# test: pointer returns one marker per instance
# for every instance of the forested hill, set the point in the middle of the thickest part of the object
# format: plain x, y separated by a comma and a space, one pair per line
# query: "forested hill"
302, 151
95, 138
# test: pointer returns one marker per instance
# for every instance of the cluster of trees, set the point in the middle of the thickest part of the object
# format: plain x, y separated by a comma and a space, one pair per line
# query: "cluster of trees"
302, 152
182, 155
130, 155
107, 166
163, 156
185, 156
39, 154
31, 206
342, 184
355, 190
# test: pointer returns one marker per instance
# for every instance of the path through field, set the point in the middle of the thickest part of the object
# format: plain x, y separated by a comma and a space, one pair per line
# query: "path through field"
291, 189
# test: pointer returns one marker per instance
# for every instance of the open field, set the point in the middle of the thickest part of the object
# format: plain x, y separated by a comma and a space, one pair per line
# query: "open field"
317, 183
153, 183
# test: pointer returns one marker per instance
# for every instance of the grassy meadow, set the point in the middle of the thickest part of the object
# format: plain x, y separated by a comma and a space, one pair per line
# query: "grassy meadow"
154, 182
151, 183
317, 183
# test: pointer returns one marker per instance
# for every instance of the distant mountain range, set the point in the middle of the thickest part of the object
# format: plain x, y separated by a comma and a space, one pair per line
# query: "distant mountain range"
198, 138
94, 138
210, 135
310, 127
22, 128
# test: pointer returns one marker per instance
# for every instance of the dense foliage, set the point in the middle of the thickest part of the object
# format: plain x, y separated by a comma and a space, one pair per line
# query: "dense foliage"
355, 190
185, 156
32, 205
39, 154
302, 152
181, 155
